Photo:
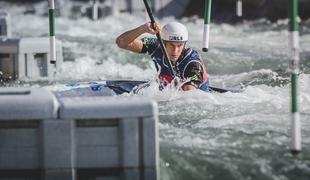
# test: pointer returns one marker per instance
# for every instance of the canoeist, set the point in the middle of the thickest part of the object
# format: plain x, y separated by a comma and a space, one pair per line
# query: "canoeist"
187, 64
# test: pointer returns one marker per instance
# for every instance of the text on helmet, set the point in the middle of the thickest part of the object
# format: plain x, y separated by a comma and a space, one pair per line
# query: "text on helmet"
175, 38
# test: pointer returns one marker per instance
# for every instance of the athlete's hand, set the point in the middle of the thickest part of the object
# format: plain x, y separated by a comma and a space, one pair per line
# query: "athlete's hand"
149, 28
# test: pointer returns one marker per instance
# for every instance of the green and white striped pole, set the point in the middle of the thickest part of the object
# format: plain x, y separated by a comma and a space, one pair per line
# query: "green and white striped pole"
239, 8
115, 8
51, 14
95, 7
294, 67
205, 45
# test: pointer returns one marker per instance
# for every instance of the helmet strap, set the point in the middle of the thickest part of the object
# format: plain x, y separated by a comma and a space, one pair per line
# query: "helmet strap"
183, 51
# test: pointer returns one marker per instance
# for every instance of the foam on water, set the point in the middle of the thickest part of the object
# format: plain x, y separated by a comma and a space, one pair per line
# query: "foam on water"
202, 135
86, 68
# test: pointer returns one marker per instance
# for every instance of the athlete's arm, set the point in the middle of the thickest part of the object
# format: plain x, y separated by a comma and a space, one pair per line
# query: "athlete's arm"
129, 40
193, 72
188, 87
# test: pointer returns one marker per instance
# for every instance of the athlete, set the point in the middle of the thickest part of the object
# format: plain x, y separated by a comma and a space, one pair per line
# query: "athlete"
187, 64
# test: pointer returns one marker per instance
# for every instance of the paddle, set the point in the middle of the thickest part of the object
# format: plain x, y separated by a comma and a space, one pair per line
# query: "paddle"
149, 12
224, 90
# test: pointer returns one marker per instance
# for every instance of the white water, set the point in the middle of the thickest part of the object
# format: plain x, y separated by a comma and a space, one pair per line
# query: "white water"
202, 136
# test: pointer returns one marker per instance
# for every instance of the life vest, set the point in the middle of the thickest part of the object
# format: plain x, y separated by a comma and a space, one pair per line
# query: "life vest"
189, 56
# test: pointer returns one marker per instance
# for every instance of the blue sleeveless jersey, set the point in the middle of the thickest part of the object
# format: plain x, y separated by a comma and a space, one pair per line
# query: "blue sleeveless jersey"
189, 65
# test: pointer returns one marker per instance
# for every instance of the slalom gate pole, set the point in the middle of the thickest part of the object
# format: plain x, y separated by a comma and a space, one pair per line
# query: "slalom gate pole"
95, 12
52, 31
294, 67
115, 7
207, 17
239, 8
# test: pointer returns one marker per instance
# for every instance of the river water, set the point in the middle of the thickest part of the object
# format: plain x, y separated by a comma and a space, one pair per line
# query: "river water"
241, 136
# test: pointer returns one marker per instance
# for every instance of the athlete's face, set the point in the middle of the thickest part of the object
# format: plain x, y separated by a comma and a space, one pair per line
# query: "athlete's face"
174, 50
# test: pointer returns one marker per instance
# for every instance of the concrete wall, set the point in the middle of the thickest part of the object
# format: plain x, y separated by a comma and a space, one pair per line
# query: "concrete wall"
42, 137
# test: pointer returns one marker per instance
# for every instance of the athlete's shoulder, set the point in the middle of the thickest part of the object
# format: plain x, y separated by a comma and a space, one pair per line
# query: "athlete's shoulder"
149, 44
192, 54
149, 41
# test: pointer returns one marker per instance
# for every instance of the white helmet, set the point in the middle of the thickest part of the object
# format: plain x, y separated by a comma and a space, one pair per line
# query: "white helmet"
174, 31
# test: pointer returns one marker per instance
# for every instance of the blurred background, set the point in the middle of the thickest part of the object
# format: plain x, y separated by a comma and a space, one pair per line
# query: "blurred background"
222, 10
203, 136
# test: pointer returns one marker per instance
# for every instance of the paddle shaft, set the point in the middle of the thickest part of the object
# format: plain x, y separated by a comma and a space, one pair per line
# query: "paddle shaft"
149, 12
